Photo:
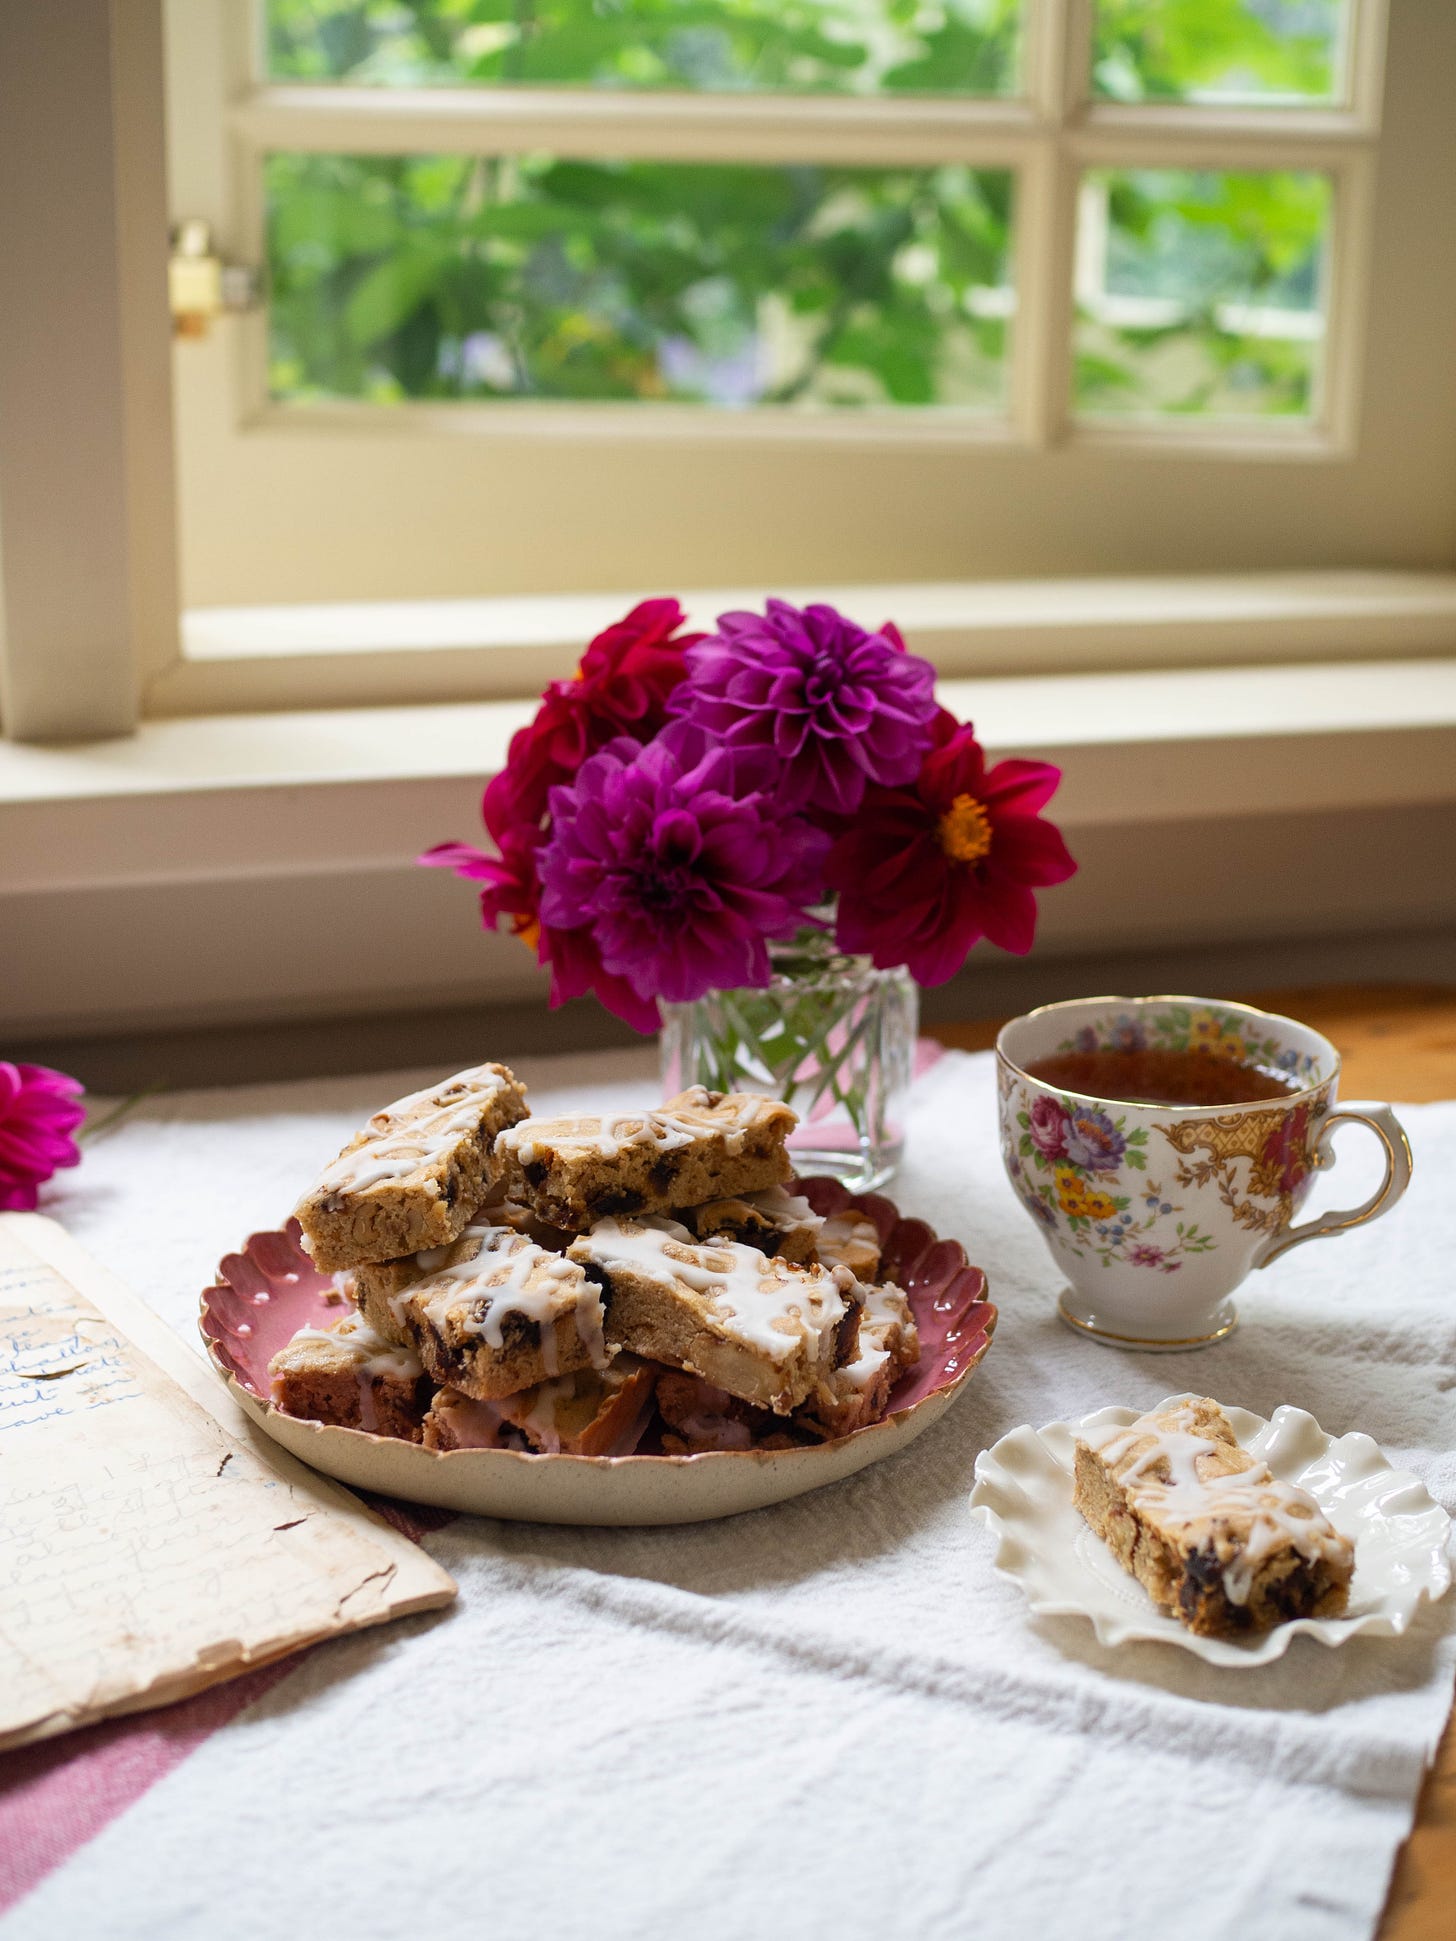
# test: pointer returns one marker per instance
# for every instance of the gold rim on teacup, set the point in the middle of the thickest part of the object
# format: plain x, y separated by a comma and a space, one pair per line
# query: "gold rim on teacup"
1204, 1003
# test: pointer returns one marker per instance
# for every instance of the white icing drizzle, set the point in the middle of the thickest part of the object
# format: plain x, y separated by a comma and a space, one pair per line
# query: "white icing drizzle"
782, 1208
778, 1210
377, 1358
406, 1135
684, 1121
886, 1312
496, 1271
1165, 1477
767, 1304
842, 1234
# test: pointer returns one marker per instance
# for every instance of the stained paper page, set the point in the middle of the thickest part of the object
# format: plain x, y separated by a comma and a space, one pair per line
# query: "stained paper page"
153, 1543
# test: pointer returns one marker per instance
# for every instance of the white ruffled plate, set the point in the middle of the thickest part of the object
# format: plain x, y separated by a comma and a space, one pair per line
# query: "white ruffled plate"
1024, 1492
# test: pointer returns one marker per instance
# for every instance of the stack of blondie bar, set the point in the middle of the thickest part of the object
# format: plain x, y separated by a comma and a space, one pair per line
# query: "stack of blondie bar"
598, 1285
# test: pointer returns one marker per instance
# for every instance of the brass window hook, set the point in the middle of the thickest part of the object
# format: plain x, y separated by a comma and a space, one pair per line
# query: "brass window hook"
200, 286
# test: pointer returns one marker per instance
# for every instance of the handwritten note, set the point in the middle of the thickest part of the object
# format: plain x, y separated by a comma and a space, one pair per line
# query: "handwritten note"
153, 1541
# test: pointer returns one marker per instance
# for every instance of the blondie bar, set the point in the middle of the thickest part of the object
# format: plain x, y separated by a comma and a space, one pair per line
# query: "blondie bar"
1214, 1537
415, 1174
698, 1418
593, 1412
775, 1221
347, 1374
859, 1393
851, 1240
698, 1146
767, 1331
502, 1315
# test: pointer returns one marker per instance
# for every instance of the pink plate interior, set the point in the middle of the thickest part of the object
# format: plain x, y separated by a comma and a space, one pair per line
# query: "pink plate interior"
271, 1289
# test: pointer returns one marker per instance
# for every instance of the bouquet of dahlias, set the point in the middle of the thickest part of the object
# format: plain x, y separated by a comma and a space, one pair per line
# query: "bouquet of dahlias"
688, 800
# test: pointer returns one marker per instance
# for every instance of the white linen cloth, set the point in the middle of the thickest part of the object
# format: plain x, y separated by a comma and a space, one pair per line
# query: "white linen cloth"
826, 1719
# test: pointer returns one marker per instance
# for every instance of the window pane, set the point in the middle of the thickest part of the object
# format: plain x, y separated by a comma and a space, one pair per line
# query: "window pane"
1200, 292
717, 46
1260, 51
532, 277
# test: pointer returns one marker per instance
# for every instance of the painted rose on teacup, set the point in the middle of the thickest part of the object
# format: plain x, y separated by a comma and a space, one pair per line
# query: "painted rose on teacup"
1154, 1208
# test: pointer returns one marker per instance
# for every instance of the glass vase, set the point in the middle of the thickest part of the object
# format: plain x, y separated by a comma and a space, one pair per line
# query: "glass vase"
831, 1036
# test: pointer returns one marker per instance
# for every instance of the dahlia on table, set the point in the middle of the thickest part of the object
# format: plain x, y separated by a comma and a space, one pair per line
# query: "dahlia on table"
40, 1109
689, 799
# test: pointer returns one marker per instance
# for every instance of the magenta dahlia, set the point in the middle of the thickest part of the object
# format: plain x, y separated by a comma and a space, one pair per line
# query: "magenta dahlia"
511, 894
924, 872
39, 1110
838, 707
678, 865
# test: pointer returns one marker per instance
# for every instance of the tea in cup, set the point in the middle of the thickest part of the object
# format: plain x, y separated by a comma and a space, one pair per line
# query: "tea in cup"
1164, 1146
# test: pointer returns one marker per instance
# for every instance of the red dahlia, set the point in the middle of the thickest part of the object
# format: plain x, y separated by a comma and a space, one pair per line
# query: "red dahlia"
621, 688
924, 872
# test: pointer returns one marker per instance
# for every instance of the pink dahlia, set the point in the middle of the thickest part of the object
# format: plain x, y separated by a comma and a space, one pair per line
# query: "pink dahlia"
679, 865
925, 871
39, 1110
838, 707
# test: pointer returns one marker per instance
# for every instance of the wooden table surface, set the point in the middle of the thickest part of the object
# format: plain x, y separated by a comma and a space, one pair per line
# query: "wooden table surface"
1397, 1042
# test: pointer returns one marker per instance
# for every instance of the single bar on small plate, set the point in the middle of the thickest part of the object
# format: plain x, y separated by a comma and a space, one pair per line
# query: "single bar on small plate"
777, 1222
698, 1146
851, 1240
415, 1174
767, 1331
593, 1412
500, 1314
859, 1393
1208, 1530
347, 1374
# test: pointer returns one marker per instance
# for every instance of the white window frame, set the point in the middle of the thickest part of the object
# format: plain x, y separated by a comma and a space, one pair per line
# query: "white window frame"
1047, 137
1370, 487
292, 503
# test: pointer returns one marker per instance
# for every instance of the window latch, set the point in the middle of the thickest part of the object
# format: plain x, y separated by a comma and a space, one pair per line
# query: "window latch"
200, 286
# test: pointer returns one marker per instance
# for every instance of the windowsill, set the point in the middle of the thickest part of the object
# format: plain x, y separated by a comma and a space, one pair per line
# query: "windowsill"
1203, 804
1056, 715
382, 651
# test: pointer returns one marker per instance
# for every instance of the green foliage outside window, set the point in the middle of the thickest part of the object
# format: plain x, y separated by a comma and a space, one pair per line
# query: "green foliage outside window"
1216, 50
803, 46
542, 278
447, 277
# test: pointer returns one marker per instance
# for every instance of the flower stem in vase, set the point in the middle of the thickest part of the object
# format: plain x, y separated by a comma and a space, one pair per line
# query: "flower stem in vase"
831, 1036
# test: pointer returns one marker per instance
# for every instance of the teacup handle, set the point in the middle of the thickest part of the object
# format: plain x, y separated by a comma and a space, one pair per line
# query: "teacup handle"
1398, 1163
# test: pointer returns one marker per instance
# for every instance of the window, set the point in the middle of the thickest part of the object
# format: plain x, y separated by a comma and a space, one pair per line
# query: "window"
614, 294
596, 297
1122, 330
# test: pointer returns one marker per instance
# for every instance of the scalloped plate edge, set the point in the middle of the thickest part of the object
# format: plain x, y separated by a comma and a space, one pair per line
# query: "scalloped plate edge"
596, 1490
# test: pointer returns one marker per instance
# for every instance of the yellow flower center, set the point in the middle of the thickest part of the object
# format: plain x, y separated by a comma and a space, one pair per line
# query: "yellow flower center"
965, 830
528, 930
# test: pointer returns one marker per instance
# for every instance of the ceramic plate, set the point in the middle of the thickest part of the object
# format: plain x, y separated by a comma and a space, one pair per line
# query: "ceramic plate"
271, 1289
1024, 1492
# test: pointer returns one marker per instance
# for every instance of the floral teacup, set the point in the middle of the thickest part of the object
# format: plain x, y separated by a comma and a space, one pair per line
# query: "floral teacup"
1156, 1213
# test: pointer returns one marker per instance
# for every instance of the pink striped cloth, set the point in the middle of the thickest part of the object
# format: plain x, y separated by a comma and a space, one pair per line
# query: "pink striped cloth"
57, 1795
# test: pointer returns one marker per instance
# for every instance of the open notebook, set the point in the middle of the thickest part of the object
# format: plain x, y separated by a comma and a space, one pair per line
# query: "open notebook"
154, 1541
